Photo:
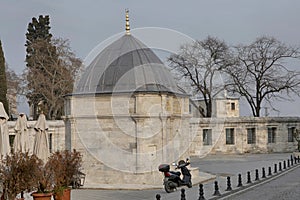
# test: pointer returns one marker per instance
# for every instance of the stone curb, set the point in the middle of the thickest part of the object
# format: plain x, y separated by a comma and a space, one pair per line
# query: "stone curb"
203, 177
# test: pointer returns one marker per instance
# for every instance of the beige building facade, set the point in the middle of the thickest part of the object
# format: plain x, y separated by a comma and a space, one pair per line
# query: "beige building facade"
244, 135
126, 142
127, 116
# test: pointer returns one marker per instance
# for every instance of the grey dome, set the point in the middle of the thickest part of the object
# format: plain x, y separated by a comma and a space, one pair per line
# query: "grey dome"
127, 65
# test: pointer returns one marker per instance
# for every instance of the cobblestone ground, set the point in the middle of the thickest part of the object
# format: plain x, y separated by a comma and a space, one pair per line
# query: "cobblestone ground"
284, 187
219, 165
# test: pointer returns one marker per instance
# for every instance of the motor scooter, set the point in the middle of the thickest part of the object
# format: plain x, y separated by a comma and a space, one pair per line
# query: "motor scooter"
172, 179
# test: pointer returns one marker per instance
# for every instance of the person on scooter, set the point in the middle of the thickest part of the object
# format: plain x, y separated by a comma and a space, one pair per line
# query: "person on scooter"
185, 172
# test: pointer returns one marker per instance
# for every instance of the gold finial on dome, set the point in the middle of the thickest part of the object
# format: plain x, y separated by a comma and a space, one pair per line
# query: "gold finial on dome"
127, 28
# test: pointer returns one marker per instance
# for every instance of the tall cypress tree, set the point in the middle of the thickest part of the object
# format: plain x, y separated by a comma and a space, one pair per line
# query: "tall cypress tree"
51, 69
38, 32
3, 82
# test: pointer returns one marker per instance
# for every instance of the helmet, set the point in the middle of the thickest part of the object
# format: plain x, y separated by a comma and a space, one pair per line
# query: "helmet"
181, 162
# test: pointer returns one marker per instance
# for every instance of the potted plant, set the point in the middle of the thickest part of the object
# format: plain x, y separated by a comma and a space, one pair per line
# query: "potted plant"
64, 165
44, 182
17, 174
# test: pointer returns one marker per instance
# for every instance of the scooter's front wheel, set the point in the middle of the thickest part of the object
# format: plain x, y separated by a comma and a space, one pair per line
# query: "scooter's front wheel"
169, 187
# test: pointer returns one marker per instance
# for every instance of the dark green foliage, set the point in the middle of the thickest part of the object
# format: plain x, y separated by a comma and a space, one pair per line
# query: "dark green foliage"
37, 30
37, 37
3, 82
51, 69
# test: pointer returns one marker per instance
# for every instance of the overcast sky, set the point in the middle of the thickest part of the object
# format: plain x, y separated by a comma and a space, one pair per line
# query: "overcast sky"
87, 23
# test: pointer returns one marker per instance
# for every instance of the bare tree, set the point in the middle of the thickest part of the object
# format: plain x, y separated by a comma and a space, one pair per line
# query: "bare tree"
202, 63
13, 89
261, 73
53, 73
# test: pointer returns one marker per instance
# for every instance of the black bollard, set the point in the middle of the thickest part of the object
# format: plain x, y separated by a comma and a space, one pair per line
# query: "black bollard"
280, 167
275, 168
217, 192
270, 172
263, 173
229, 188
298, 158
284, 164
248, 178
288, 163
183, 194
292, 160
240, 184
256, 175
201, 192
158, 197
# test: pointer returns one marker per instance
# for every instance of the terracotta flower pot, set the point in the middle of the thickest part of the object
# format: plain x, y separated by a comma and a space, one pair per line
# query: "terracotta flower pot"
41, 196
65, 195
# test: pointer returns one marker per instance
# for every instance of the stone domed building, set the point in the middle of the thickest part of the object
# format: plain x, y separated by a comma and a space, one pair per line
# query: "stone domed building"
127, 115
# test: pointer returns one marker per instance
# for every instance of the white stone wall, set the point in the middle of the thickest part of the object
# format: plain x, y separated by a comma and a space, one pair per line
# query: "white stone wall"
124, 138
240, 125
56, 130
223, 108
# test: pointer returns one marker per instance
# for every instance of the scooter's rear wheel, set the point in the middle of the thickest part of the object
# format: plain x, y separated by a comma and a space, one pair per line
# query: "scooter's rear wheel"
169, 187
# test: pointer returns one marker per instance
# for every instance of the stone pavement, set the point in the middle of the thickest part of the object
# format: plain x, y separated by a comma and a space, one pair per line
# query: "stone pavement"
284, 186
218, 166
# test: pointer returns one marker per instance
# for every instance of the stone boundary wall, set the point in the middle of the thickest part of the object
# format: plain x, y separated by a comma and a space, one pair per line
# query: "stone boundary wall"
240, 125
240, 144
56, 134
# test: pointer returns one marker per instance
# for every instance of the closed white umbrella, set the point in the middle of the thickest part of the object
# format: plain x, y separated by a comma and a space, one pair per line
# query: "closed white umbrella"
4, 134
21, 141
41, 146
